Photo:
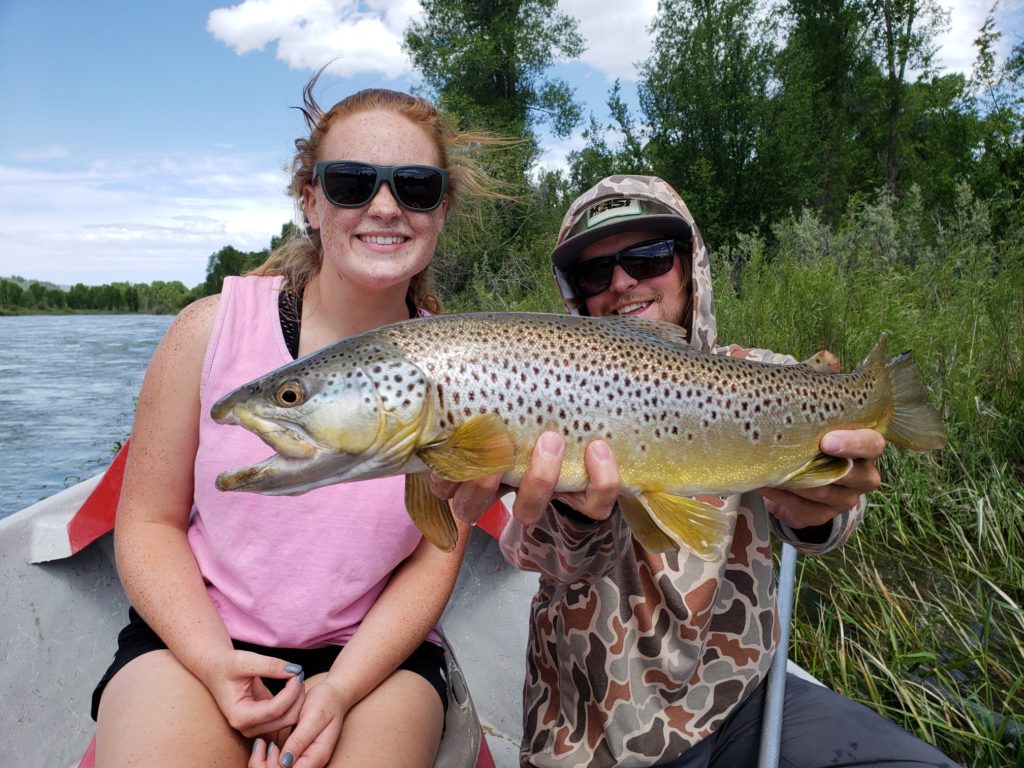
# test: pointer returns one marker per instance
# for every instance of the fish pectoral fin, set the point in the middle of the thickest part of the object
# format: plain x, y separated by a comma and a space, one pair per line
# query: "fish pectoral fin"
644, 529
480, 447
699, 526
821, 470
430, 514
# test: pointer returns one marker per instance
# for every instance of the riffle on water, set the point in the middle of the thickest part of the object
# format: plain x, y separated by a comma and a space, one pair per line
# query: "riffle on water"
68, 387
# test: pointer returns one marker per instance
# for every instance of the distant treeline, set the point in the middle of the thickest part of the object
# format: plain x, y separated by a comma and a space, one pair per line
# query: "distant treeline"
19, 295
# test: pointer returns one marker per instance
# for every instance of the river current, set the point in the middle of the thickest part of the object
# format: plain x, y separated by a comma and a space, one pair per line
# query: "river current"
68, 387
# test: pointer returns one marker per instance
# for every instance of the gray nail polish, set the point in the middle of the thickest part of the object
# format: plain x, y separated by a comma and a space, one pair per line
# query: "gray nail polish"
287, 759
256, 745
293, 669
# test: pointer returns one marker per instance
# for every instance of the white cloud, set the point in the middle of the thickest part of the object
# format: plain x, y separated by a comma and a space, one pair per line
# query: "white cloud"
43, 154
137, 218
358, 38
616, 34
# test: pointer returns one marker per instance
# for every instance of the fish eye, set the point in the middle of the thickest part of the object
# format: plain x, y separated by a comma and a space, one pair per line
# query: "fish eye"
289, 394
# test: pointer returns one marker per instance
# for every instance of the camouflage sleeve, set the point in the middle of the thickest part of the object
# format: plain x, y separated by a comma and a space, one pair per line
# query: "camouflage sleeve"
842, 525
563, 549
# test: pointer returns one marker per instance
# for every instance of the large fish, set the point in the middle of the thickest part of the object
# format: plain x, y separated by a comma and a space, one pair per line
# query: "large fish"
467, 396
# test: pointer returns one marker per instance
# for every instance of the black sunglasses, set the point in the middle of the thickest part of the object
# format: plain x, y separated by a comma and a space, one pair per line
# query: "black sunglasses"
352, 184
641, 262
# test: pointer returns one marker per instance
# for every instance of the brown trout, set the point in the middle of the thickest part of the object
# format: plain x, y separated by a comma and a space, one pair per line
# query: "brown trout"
466, 396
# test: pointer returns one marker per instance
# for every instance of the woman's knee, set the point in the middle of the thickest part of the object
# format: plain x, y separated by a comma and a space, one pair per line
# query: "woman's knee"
154, 707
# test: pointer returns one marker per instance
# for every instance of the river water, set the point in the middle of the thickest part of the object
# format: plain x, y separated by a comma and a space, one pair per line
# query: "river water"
68, 386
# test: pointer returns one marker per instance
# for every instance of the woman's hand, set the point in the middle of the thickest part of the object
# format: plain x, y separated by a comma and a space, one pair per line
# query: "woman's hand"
470, 500
234, 681
312, 742
817, 506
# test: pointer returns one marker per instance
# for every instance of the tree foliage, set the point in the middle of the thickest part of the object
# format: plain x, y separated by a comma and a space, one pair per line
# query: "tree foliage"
487, 63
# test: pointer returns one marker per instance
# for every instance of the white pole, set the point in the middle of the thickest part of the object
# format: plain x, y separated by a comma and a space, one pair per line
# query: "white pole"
771, 722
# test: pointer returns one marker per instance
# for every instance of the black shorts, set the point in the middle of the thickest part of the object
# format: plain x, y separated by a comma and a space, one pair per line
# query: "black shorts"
138, 638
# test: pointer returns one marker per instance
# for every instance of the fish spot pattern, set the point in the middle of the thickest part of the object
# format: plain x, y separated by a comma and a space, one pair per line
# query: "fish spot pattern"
634, 383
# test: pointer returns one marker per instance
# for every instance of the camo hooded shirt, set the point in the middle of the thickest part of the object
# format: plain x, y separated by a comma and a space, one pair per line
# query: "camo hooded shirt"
635, 657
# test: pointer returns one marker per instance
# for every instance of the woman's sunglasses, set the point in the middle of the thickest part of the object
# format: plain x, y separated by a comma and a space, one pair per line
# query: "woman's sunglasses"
641, 262
351, 184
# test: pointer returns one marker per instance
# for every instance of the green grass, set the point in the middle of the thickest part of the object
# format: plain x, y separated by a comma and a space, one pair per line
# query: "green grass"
920, 615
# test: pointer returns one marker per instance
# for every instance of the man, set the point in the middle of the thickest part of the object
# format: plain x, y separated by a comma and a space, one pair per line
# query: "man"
640, 659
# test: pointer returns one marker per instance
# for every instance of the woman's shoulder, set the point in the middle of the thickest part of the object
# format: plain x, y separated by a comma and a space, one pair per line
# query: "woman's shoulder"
194, 324
201, 312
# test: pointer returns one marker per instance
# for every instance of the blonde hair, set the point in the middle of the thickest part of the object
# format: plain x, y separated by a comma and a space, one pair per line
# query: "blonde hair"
300, 257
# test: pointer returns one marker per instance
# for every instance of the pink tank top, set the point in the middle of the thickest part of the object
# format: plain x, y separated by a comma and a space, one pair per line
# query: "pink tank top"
284, 571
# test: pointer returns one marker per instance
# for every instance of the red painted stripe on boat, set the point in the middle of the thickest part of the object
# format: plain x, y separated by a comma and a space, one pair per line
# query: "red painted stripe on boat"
96, 515
89, 758
493, 520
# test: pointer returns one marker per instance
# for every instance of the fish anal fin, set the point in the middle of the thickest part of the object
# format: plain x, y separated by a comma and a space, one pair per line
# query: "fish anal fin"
430, 514
644, 529
697, 525
480, 447
820, 470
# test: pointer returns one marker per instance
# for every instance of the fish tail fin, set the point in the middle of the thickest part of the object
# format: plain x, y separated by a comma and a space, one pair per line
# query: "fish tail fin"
915, 424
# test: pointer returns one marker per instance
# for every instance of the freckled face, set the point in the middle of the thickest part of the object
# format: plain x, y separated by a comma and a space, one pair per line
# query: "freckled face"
665, 297
382, 244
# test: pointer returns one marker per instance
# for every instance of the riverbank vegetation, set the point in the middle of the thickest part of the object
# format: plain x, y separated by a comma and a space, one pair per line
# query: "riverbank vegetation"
845, 186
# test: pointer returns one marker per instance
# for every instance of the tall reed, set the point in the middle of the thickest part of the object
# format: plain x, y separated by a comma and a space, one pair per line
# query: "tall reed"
921, 614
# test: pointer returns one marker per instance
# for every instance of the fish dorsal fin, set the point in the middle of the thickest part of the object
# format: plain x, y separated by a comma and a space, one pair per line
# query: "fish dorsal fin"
701, 527
430, 514
876, 359
820, 470
644, 529
656, 329
480, 447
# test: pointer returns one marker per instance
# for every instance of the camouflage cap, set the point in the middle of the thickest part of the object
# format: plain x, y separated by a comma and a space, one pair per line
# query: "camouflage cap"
619, 204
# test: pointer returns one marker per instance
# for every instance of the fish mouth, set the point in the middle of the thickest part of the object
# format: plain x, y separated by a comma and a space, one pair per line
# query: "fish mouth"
298, 466
287, 438
278, 476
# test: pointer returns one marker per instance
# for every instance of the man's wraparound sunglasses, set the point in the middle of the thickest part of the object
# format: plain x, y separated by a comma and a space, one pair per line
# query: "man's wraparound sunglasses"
352, 184
641, 262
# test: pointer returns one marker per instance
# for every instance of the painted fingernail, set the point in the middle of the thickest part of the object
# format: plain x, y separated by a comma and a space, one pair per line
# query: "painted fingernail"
293, 669
257, 746
287, 759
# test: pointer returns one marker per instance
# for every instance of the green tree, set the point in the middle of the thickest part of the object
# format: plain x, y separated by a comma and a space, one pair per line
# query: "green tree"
229, 261
902, 35
598, 158
78, 296
487, 63
10, 294
999, 157
819, 71
705, 93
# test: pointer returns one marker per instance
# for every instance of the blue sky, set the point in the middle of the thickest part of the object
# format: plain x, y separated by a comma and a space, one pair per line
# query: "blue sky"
138, 138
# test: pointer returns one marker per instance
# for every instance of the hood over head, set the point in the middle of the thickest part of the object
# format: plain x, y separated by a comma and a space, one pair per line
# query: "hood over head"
628, 203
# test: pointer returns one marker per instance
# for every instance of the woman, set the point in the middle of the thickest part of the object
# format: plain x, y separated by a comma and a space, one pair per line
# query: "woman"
242, 602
